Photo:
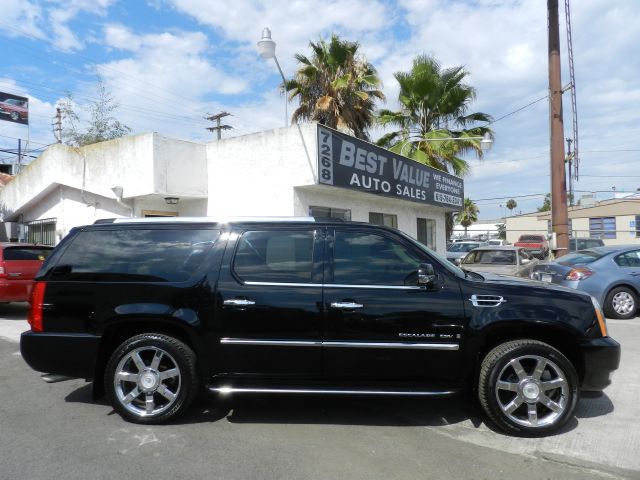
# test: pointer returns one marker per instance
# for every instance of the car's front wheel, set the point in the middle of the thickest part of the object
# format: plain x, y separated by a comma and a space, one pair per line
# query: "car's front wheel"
14, 116
151, 378
622, 303
527, 387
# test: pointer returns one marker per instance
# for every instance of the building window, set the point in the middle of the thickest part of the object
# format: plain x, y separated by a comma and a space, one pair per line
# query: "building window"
602, 227
386, 219
637, 225
328, 212
42, 232
427, 232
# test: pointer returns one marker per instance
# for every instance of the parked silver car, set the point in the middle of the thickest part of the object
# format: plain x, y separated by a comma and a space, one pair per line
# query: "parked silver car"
503, 260
457, 251
611, 274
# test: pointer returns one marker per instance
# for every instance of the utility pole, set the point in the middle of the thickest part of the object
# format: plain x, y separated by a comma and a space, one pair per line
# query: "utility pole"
57, 126
19, 165
218, 128
570, 167
559, 213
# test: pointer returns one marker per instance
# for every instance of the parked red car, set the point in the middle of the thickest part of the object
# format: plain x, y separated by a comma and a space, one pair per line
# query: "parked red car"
19, 263
536, 245
16, 109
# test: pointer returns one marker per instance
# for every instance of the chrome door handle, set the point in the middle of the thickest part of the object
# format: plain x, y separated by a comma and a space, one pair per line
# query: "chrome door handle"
239, 302
13, 274
346, 305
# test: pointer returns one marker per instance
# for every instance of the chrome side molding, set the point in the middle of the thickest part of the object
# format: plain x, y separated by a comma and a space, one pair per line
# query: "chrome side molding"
340, 344
227, 390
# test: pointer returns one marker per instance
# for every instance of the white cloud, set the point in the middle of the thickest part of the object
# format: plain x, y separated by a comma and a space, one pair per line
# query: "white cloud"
164, 82
20, 17
64, 38
293, 23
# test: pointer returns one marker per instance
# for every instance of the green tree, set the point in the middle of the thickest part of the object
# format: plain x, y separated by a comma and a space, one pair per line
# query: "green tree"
434, 104
336, 87
101, 124
511, 205
468, 215
546, 205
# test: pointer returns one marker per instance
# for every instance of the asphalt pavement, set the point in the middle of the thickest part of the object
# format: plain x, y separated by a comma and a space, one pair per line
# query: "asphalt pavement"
56, 431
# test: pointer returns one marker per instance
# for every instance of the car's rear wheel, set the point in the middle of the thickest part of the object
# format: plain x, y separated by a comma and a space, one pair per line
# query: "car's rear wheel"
527, 387
151, 378
621, 302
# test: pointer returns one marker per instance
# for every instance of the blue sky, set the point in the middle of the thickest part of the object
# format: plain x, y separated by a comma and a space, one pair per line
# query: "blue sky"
170, 62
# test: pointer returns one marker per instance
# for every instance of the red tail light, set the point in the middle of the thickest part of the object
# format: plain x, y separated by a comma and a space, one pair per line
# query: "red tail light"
36, 301
579, 274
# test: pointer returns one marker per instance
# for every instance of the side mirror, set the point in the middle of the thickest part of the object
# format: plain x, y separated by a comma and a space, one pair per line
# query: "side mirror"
426, 274
525, 261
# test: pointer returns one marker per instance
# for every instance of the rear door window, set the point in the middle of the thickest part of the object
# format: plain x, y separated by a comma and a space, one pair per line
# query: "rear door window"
628, 259
275, 256
26, 253
135, 255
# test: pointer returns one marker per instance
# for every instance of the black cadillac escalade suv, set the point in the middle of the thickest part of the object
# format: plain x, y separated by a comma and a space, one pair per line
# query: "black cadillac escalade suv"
153, 310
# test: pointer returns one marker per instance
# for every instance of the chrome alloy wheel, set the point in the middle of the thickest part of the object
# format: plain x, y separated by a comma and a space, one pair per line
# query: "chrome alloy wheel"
623, 303
532, 391
147, 381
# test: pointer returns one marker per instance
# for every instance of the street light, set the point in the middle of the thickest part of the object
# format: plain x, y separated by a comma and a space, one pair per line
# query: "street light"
267, 49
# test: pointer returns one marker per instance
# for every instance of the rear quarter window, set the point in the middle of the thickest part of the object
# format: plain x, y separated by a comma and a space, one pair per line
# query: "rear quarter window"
135, 255
26, 253
581, 257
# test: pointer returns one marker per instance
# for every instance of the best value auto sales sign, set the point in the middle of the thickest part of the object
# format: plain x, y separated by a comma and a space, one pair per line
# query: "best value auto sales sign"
348, 162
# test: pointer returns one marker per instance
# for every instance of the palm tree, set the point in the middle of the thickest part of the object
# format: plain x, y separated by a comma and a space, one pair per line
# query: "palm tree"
468, 215
511, 205
336, 87
434, 104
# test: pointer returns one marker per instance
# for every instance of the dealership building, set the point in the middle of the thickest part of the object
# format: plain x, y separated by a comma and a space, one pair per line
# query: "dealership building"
295, 171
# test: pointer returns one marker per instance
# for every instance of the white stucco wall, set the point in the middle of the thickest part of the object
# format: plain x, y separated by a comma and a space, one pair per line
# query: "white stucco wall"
255, 174
72, 208
520, 225
146, 164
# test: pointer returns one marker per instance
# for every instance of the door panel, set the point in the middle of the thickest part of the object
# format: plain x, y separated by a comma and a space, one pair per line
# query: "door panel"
398, 331
270, 295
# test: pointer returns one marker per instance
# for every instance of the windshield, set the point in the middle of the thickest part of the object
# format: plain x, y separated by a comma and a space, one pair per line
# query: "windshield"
493, 257
583, 256
463, 247
531, 238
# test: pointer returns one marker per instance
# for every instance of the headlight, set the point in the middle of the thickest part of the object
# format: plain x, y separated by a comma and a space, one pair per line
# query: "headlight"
601, 320
458, 261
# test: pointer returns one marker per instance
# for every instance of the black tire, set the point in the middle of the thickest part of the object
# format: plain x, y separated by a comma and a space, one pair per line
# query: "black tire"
621, 302
557, 384
150, 392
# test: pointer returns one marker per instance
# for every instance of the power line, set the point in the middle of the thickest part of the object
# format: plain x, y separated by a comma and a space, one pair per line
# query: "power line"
124, 106
30, 141
518, 110
115, 70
